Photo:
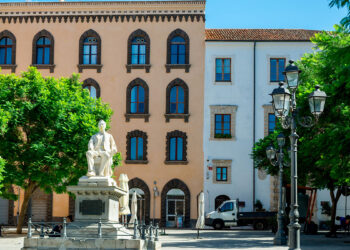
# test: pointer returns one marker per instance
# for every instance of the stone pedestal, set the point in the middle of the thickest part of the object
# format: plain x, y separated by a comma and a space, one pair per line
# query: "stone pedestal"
97, 198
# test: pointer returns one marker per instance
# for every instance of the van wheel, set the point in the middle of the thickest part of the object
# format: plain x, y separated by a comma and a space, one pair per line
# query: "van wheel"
218, 224
259, 225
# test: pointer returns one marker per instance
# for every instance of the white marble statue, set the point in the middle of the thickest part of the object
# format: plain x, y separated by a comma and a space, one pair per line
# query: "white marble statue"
100, 152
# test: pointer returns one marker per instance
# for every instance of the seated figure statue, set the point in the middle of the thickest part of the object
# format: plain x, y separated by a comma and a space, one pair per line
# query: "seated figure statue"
100, 152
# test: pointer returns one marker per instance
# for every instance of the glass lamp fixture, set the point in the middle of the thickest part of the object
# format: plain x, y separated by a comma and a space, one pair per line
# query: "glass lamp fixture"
292, 75
281, 100
270, 152
281, 140
317, 99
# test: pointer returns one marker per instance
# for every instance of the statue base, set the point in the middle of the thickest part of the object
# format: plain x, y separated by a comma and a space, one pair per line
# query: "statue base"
96, 198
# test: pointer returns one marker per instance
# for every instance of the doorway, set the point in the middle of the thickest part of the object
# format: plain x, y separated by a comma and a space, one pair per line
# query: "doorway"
175, 208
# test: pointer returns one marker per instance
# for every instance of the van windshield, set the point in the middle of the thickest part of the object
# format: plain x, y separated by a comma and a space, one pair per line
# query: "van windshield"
227, 207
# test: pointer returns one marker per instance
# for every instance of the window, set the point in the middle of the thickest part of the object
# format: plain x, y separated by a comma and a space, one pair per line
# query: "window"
178, 51
138, 51
222, 125
90, 51
137, 104
176, 147
272, 123
177, 100
6, 50
223, 70
277, 66
93, 87
136, 147
227, 207
221, 174
136, 151
43, 51
137, 98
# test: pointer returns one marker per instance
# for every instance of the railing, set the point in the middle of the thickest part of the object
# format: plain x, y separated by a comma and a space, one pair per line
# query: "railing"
140, 231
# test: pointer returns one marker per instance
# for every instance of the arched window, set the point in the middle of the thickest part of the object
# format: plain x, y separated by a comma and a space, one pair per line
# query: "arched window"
176, 147
137, 98
93, 87
138, 51
220, 199
177, 100
136, 147
43, 50
178, 50
90, 51
6, 50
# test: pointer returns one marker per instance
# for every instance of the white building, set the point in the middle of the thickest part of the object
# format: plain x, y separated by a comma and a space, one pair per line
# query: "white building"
242, 68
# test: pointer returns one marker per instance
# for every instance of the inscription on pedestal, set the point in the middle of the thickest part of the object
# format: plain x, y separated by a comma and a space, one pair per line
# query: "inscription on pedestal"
91, 207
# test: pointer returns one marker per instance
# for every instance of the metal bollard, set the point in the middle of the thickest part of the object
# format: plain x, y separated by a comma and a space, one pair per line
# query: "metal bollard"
150, 231
100, 229
156, 237
135, 230
143, 231
29, 233
64, 228
42, 231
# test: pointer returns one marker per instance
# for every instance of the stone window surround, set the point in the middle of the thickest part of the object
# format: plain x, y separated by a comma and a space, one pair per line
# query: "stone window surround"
128, 114
212, 61
147, 65
143, 135
81, 65
186, 66
223, 109
183, 135
12, 66
185, 115
268, 109
222, 163
268, 67
92, 82
51, 65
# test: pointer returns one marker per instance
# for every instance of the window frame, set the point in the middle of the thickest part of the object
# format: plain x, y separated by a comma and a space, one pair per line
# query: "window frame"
223, 68
277, 68
51, 65
176, 134
98, 65
222, 124
268, 123
186, 65
185, 115
128, 114
91, 82
129, 65
12, 65
137, 134
221, 174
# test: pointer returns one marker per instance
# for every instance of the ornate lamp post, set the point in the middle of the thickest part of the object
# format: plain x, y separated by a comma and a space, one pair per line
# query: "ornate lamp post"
280, 237
284, 103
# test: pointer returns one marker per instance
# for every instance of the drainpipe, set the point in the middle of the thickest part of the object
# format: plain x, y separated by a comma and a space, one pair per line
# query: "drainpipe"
254, 96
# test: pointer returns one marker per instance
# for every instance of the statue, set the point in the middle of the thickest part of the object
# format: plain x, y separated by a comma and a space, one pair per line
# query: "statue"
100, 152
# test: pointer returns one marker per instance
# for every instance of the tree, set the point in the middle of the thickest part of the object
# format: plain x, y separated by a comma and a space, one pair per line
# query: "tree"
324, 158
47, 133
341, 4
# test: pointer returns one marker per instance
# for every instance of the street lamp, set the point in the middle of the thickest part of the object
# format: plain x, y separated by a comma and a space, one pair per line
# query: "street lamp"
280, 237
284, 103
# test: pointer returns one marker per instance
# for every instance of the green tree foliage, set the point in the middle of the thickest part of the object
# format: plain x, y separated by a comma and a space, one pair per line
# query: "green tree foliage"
323, 153
49, 123
341, 4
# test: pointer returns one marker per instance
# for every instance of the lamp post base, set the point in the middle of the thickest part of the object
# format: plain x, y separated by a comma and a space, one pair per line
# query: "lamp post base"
280, 239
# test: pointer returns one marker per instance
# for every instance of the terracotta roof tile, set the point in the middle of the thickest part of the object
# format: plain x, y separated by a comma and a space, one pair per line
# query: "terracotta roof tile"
259, 34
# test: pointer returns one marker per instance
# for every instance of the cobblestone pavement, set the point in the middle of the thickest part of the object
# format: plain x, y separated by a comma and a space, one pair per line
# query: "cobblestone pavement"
225, 239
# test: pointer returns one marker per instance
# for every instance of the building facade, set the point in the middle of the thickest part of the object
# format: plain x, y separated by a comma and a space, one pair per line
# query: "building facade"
242, 67
146, 59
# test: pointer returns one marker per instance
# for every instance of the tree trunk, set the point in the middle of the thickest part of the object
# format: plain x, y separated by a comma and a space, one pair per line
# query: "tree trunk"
27, 194
333, 229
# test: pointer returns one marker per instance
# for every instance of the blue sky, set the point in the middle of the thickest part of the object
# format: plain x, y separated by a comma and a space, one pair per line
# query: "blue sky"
284, 14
